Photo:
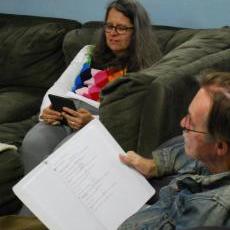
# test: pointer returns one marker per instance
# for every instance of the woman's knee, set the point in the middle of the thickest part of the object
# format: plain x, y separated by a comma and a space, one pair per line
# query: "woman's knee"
43, 137
39, 142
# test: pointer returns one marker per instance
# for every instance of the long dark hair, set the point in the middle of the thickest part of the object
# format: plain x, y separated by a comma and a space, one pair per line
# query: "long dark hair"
143, 50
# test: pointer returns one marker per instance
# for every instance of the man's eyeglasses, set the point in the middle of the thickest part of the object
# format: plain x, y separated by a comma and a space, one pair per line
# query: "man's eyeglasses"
120, 29
187, 125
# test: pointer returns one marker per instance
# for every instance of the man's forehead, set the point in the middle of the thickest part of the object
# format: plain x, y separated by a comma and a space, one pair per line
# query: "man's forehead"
200, 104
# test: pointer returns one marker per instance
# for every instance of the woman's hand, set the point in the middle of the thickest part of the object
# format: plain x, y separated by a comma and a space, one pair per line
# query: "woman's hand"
146, 167
77, 119
49, 116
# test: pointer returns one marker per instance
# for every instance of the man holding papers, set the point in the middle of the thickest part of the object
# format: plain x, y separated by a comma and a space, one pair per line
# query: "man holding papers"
83, 183
199, 195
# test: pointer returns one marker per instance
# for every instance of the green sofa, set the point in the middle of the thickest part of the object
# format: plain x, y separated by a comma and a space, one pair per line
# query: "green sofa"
31, 59
141, 110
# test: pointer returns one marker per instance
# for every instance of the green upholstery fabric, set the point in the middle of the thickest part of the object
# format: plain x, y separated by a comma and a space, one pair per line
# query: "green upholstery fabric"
76, 39
144, 109
11, 170
14, 132
31, 59
25, 20
19, 103
31, 56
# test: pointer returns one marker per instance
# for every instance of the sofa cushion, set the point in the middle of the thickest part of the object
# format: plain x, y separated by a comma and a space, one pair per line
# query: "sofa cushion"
13, 132
19, 103
31, 55
163, 35
11, 170
76, 39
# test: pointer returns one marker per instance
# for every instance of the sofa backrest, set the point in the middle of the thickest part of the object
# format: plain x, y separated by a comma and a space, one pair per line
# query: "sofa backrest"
144, 109
76, 39
31, 49
31, 59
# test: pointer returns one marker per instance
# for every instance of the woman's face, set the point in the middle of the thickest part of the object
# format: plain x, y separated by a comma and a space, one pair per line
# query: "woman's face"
118, 31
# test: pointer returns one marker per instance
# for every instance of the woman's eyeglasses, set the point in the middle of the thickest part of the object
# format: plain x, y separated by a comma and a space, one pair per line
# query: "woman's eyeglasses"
187, 125
120, 29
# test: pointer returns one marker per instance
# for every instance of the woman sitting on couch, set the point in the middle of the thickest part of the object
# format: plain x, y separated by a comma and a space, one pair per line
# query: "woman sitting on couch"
127, 44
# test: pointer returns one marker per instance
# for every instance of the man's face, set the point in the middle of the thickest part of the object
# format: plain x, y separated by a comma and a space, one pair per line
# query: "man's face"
198, 145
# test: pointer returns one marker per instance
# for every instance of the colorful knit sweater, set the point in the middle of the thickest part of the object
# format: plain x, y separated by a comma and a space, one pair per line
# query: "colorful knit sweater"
89, 82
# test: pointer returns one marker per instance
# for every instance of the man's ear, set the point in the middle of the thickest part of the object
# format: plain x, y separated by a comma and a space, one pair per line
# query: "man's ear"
222, 148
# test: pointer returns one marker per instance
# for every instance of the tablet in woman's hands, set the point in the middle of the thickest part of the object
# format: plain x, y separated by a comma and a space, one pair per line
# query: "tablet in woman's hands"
59, 102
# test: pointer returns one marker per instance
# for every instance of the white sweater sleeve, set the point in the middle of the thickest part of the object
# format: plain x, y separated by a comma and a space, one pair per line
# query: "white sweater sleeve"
66, 80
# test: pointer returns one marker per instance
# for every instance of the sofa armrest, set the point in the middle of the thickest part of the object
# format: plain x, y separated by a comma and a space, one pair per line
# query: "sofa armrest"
144, 109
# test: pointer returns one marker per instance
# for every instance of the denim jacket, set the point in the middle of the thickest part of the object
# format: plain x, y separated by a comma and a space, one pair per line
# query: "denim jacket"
195, 197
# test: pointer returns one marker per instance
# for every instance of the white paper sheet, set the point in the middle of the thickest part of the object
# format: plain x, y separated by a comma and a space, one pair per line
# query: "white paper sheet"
83, 183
